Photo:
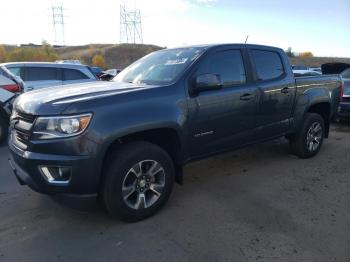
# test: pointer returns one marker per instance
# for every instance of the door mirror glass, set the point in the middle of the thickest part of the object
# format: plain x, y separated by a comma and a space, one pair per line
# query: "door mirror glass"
207, 82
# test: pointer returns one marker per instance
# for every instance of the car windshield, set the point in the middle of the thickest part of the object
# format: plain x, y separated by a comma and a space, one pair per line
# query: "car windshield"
161, 67
346, 73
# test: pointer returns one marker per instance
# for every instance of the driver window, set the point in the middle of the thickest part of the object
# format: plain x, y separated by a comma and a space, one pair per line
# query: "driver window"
228, 64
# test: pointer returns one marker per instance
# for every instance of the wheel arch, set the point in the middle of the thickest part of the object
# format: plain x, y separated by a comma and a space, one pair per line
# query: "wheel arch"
166, 138
324, 110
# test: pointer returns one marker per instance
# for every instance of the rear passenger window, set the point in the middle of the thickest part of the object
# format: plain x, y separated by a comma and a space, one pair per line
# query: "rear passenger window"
73, 74
268, 64
228, 64
40, 73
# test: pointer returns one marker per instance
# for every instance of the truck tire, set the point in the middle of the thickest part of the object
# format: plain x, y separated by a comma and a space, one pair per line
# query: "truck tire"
138, 181
307, 142
3, 130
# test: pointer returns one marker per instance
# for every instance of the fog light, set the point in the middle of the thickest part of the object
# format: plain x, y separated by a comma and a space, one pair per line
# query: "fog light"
56, 174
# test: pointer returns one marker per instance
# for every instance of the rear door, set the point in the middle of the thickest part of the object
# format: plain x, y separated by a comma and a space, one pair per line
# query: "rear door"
276, 87
224, 118
36, 77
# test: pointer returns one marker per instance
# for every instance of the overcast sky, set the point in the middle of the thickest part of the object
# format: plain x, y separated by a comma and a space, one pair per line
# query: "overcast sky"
322, 27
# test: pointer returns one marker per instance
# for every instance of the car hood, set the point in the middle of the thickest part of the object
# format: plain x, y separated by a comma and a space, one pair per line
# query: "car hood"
54, 100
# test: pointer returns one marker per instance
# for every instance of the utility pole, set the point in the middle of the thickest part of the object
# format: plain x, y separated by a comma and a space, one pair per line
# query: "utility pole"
130, 25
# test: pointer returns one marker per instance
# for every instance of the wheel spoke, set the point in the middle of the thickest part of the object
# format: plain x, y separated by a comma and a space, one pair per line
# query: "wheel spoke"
128, 191
310, 146
155, 168
141, 201
317, 128
137, 169
156, 189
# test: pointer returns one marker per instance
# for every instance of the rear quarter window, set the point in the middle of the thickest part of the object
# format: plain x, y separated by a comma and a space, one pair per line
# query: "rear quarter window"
73, 74
268, 64
17, 71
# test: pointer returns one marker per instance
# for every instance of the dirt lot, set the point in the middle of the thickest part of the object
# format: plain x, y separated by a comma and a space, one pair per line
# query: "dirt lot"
255, 204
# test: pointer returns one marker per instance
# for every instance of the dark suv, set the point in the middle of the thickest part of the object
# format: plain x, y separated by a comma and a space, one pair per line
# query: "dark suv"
127, 140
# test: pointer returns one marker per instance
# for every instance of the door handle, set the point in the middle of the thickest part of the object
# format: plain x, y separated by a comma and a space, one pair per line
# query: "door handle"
246, 97
285, 90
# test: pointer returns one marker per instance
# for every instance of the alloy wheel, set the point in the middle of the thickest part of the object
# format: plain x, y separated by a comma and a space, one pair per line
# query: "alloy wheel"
314, 137
143, 184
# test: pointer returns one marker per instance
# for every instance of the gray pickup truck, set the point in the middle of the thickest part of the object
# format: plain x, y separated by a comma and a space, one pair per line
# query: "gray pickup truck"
126, 141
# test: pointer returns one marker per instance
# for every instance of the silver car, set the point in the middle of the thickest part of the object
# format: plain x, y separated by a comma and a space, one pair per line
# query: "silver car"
37, 75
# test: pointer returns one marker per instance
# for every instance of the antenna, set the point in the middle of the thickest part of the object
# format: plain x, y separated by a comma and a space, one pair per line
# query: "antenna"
58, 24
246, 39
130, 25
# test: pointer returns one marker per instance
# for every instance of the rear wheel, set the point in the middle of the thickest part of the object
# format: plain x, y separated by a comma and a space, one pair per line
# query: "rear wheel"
307, 142
3, 130
138, 181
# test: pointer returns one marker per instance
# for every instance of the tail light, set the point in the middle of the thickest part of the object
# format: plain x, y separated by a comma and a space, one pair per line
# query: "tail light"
12, 88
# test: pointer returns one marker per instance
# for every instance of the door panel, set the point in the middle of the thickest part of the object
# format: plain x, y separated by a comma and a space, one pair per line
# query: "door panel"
224, 118
276, 94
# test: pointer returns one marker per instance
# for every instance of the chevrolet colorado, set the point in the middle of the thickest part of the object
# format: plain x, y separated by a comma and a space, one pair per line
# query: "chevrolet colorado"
126, 141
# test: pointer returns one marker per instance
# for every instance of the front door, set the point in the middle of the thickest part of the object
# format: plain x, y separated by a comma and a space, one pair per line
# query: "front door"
224, 118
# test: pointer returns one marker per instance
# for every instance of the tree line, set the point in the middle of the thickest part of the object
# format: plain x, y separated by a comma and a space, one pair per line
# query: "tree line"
43, 53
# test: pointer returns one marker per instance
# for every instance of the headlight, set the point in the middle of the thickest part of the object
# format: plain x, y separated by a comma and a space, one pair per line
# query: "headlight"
60, 126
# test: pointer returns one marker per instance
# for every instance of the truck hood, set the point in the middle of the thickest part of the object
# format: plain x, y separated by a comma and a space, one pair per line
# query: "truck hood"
54, 100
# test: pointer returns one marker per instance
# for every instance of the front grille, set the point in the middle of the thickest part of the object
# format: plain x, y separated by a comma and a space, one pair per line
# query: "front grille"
22, 124
25, 117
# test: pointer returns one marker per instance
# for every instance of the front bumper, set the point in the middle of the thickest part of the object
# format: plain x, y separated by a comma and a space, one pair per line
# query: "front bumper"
84, 176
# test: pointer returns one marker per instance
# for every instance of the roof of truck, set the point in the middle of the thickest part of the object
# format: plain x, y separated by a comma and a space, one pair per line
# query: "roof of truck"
227, 44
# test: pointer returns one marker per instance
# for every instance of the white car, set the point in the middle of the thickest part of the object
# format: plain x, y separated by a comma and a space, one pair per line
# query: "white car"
40, 75
10, 87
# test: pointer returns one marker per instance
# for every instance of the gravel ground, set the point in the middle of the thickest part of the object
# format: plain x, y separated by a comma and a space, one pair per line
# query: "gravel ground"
254, 204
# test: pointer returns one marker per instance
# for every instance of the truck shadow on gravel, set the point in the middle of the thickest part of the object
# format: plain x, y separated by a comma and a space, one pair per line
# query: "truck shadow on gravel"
201, 173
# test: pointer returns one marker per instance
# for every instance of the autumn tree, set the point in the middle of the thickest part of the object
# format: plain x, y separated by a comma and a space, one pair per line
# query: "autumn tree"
2, 54
306, 54
45, 53
99, 60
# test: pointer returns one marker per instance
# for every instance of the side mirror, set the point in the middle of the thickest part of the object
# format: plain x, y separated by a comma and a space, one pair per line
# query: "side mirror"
207, 82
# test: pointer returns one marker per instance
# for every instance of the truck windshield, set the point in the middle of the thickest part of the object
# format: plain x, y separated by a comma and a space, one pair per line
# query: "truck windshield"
161, 67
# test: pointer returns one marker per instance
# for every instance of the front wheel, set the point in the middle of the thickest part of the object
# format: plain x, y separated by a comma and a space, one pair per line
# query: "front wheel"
307, 142
138, 181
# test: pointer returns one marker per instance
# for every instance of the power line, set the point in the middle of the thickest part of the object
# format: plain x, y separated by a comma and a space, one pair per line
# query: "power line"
130, 25
58, 24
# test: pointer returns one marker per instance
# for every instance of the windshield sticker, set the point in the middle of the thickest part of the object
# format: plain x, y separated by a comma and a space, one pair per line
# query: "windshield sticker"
178, 61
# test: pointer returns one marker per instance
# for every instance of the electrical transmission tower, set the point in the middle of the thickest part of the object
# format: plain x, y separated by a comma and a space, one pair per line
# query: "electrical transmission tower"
130, 25
58, 24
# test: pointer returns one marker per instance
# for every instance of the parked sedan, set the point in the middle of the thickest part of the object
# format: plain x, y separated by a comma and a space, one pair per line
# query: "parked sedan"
40, 75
